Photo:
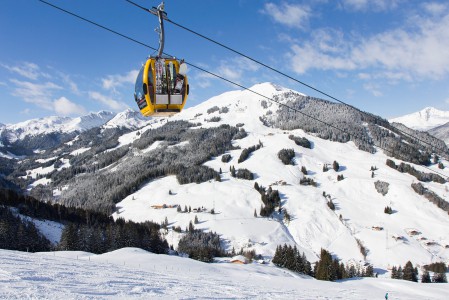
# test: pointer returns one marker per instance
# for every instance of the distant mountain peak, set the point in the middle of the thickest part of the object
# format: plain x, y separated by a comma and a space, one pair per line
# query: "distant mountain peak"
428, 112
425, 119
269, 88
127, 118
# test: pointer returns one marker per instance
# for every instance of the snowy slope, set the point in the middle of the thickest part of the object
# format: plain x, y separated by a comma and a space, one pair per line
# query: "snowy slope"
132, 273
425, 119
313, 225
441, 132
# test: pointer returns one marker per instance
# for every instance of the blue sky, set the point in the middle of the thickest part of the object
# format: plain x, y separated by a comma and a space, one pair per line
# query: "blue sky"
388, 57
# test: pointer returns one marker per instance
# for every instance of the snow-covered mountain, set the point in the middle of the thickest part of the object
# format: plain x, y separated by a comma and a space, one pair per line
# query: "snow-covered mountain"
118, 170
424, 120
39, 134
56, 124
129, 118
359, 218
53, 124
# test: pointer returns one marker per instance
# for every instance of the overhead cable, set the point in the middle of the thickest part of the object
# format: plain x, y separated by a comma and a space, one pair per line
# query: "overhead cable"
286, 75
224, 79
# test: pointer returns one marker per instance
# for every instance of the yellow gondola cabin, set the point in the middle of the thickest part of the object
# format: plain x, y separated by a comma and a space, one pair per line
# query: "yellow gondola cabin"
161, 87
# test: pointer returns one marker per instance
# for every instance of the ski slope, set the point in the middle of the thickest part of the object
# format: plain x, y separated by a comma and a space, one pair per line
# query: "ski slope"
132, 273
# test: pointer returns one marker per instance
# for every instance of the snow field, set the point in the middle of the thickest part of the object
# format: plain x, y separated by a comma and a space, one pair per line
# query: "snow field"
136, 274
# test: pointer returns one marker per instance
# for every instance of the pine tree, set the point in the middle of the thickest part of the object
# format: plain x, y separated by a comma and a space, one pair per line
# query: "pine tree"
425, 277
287, 216
335, 166
331, 204
400, 273
69, 238
276, 257
307, 265
439, 278
325, 268
369, 271
196, 220
409, 272
342, 272
394, 273
352, 272
256, 186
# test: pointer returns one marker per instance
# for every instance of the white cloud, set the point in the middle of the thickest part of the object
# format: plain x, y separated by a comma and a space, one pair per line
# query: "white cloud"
107, 101
415, 52
373, 89
235, 69
435, 8
203, 80
27, 70
375, 5
291, 15
26, 111
65, 107
70, 83
111, 82
39, 94
365, 76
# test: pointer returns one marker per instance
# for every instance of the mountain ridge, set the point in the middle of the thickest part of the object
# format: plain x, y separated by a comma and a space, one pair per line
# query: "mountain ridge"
35, 134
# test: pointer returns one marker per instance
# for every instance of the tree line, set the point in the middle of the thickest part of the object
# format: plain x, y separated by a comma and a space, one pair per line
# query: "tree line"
84, 230
326, 268
410, 273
